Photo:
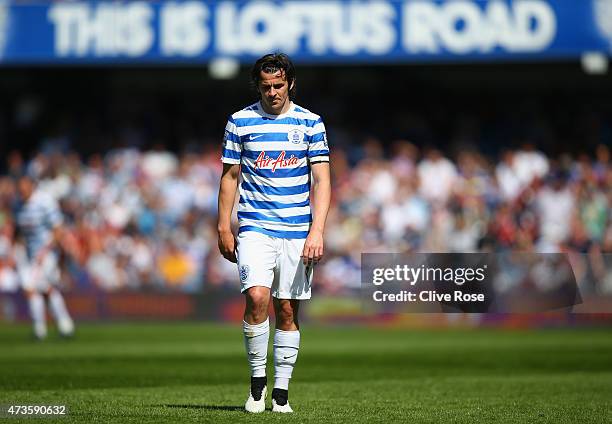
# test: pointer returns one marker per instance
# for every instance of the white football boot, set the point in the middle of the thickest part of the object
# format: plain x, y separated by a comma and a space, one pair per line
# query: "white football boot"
40, 331
256, 406
66, 327
286, 408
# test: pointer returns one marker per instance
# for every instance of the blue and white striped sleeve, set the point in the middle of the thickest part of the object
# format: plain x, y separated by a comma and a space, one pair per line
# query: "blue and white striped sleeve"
318, 150
232, 148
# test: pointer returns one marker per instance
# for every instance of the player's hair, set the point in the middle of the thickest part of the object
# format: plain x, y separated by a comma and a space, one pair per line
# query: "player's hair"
270, 64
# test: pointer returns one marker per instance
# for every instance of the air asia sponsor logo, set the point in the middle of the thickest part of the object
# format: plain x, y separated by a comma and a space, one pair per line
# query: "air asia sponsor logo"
265, 161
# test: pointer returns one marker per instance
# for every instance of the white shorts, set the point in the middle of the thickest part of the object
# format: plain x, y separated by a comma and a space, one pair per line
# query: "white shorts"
275, 263
40, 276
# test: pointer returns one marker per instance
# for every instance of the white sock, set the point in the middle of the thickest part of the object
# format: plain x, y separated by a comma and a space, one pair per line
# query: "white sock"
256, 344
286, 347
37, 312
58, 308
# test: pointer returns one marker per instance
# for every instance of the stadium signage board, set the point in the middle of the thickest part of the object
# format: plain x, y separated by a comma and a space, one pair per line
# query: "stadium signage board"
310, 31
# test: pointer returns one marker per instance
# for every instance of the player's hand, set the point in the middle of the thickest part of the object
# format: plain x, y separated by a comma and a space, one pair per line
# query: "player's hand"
40, 257
313, 248
227, 245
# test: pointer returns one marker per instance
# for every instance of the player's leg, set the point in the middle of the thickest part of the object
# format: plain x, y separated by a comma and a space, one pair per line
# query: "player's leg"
65, 325
57, 305
256, 262
286, 348
256, 330
36, 304
293, 286
36, 301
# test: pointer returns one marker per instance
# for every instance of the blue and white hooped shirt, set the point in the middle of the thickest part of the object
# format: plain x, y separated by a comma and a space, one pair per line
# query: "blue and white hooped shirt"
275, 153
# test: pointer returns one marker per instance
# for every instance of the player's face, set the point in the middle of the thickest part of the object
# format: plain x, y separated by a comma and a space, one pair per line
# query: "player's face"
25, 187
274, 91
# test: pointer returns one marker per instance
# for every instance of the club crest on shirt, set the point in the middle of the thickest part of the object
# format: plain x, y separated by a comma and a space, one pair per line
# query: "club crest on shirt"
296, 136
244, 272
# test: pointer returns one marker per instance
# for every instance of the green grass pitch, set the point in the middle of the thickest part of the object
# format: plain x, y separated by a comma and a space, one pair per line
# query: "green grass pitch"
196, 372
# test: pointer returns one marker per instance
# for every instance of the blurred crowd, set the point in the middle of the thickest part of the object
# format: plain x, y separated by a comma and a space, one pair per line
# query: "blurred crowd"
146, 220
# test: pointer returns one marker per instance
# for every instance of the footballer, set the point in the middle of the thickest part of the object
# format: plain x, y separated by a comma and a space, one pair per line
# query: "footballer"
270, 150
39, 224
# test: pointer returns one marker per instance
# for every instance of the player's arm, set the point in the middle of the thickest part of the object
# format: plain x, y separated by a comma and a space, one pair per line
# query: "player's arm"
227, 195
54, 221
228, 185
57, 241
58, 236
313, 247
66, 240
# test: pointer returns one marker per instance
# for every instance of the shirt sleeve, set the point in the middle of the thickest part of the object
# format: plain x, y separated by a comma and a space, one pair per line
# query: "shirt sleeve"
232, 148
318, 150
53, 214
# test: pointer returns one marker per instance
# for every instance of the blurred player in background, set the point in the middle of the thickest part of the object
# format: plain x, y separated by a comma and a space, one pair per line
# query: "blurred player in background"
39, 224
273, 146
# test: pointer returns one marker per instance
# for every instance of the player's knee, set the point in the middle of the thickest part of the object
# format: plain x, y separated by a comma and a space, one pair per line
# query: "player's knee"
257, 302
258, 298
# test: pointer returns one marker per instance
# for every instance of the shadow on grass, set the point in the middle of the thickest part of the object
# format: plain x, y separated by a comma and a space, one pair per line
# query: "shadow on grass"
208, 407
